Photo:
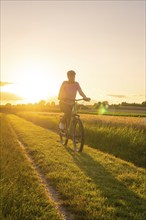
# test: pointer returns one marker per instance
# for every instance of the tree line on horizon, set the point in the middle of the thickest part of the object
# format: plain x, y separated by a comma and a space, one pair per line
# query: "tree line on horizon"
43, 103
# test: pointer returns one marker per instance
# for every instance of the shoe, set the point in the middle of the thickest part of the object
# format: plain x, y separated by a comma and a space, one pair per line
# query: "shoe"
61, 126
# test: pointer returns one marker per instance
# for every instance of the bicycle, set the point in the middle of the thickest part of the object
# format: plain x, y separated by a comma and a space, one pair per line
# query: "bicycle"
75, 130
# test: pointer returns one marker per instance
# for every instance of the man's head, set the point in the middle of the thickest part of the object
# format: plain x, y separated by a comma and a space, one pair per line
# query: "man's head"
71, 76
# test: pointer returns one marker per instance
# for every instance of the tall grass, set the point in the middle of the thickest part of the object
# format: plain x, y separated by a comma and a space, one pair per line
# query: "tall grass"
126, 143
123, 137
91, 185
21, 194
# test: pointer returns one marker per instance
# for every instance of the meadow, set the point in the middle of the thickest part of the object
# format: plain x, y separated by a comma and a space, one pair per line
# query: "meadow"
123, 137
22, 194
130, 111
95, 184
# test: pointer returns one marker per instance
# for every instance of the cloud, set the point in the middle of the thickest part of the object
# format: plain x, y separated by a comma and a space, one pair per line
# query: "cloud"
5, 83
139, 95
7, 96
117, 96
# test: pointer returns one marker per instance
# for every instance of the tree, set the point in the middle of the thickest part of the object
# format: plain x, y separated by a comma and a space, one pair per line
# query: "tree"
105, 104
52, 104
97, 105
48, 104
8, 105
144, 103
124, 103
42, 103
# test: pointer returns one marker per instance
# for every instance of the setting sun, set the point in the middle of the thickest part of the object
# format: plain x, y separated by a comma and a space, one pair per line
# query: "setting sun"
33, 89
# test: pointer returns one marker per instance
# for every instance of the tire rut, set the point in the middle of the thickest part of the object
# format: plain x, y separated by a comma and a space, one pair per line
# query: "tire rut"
51, 193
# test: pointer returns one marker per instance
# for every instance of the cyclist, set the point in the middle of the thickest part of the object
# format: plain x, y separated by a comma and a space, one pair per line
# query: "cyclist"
67, 95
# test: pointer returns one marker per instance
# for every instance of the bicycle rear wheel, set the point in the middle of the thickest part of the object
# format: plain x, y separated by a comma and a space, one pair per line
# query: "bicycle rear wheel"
63, 135
78, 135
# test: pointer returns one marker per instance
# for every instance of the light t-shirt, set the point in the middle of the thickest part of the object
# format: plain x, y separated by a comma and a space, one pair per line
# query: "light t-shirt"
68, 91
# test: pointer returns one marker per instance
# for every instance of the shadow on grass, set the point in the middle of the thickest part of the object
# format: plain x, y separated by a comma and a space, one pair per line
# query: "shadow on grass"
127, 204
112, 145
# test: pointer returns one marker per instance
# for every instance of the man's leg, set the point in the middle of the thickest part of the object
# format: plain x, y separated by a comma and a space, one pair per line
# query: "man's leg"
67, 112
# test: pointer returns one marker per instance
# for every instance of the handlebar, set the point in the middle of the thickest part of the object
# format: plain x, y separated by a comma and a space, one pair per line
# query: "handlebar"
76, 100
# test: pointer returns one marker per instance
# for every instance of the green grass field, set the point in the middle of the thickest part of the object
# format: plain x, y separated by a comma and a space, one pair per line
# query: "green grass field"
123, 137
91, 185
130, 111
22, 195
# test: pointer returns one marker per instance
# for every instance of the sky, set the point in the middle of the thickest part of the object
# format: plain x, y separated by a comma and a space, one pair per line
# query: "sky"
102, 41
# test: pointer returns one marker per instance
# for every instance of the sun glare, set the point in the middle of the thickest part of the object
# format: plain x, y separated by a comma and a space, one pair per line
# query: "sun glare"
32, 90
37, 89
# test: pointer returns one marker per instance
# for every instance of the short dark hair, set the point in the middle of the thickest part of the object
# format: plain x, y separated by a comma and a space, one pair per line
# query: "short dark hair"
71, 72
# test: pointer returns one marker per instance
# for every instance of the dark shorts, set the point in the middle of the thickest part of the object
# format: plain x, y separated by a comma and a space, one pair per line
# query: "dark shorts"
66, 109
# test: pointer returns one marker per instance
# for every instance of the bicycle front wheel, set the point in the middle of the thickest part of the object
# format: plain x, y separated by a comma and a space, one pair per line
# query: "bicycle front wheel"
78, 135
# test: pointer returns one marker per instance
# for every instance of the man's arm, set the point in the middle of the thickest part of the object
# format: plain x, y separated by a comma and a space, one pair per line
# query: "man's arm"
82, 94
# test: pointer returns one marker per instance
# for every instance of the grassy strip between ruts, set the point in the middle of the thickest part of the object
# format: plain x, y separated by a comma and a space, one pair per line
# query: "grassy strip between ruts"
92, 185
119, 136
22, 194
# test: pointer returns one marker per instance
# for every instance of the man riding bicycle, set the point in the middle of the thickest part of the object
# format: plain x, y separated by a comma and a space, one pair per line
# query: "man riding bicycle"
67, 95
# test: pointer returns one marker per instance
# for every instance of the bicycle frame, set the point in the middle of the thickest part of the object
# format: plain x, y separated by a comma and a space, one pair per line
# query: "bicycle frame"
74, 131
74, 114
